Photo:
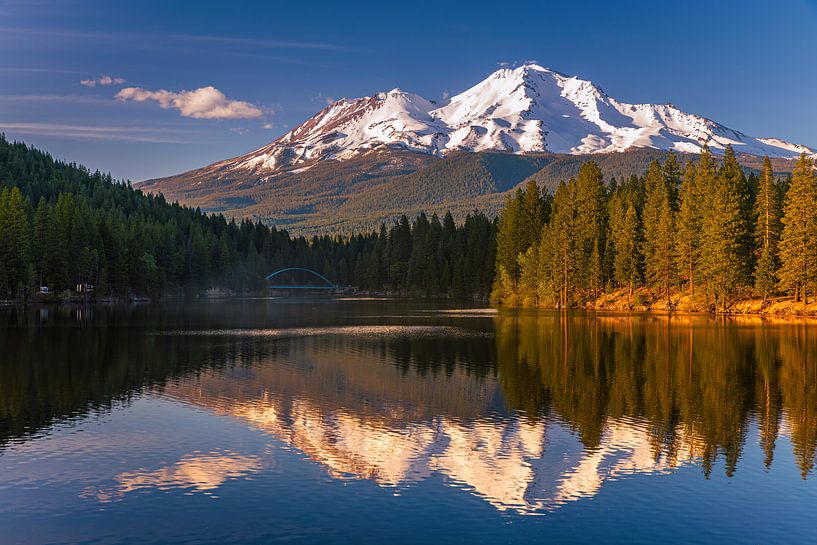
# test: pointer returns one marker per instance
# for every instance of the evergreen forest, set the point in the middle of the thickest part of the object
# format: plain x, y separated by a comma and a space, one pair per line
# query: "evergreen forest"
702, 233
699, 234
62, 226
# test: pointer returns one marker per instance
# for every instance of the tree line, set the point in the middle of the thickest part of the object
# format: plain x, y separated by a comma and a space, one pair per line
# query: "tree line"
62, 225
702, 230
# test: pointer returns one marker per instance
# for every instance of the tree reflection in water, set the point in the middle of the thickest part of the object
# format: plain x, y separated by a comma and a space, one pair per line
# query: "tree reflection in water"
528, 410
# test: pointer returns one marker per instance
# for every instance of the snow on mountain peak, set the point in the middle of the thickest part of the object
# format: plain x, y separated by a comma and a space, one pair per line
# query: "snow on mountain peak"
526, 109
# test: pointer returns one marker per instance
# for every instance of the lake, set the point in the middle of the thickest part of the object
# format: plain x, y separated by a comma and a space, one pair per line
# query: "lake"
372, 421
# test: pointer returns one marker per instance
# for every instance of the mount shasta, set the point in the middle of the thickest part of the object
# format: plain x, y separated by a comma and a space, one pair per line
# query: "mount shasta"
359, 162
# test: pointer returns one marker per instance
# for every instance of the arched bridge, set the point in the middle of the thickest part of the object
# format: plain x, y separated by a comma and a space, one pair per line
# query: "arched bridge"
325, 284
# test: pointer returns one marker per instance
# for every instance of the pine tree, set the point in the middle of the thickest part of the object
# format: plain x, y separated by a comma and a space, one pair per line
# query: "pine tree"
672, 176
724, 259
767, 231
529, 277
667, 271
64, 211
743, 191
41, 243
591, 226
798, 242
688, 228
627, 242
508, 246
520, 226
532, 216
15, 236
659, 232
560, 243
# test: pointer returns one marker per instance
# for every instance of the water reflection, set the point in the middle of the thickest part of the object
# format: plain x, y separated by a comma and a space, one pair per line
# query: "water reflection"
199, 472
529, 411
696, 381
397, 434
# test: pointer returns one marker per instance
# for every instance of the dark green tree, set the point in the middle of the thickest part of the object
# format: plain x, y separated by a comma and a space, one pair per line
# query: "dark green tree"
767, 231
591, 227
659, 229
15, 239
724, 257
627, 243
798, 242
688, 226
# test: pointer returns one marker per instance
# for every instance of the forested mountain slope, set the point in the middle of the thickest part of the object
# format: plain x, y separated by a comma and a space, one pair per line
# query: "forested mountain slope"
63, 225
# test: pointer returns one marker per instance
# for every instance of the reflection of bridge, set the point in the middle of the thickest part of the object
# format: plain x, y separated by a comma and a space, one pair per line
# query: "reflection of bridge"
325, 285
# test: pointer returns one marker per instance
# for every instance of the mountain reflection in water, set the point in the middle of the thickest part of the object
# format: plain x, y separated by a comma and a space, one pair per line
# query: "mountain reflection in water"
526, 410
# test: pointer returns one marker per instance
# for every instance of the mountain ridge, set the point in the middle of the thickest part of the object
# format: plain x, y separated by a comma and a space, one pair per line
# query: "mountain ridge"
354, 150
528, 109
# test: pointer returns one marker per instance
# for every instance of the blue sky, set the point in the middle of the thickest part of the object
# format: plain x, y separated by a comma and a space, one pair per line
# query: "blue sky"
749, 65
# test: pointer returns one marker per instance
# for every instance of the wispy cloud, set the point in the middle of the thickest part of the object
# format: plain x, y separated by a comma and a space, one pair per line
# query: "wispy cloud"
258, 42
202, 103
102, 80
71, 99
168, 39
92, 132
267, 125
34, 70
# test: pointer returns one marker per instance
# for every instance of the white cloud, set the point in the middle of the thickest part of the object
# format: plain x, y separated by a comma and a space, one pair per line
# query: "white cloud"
102, 80
267, 125
203, 103
240, 130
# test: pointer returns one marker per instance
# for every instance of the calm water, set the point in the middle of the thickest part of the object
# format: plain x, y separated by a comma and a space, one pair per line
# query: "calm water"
379, 421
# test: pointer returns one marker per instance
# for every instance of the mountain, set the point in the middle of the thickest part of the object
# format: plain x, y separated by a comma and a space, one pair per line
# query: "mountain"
347, 128
530, 109
363, 146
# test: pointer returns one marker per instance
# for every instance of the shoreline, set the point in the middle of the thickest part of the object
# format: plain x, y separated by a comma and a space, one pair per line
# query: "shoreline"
174, 298
684, 304
614, 303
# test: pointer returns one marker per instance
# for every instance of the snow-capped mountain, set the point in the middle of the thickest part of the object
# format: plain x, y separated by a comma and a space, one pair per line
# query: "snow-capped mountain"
361, 162
348, 127
523, 110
